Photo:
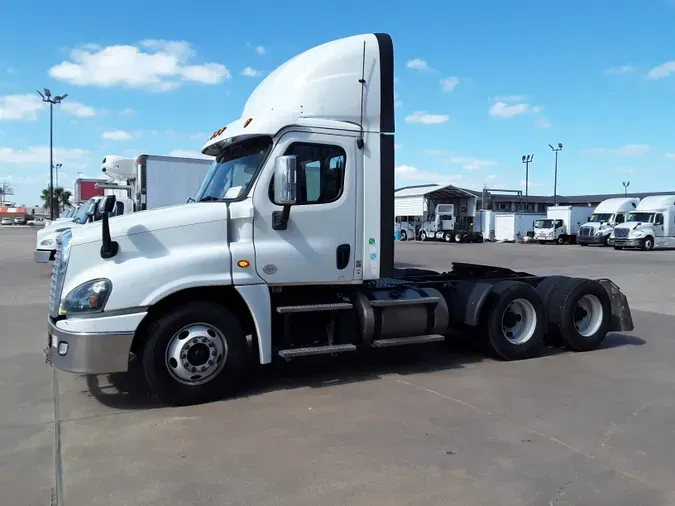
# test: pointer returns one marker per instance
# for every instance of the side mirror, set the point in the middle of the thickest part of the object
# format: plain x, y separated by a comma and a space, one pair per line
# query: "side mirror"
285, 180
109, 203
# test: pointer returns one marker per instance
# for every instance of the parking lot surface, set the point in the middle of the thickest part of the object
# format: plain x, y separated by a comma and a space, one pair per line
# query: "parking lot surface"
415, 426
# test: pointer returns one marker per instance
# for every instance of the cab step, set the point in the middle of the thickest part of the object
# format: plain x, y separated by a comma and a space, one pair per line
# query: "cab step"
311, 308
399, 341
315, 350
404, 302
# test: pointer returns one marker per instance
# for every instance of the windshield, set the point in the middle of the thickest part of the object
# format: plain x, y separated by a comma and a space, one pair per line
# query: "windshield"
597, 218
83, 213
641, 217
543, 224
233, 170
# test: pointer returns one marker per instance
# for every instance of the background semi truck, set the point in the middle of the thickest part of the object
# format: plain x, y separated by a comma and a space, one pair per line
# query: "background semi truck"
651, 225
444, 225
561, 224
290, 241
141, 183
605, 217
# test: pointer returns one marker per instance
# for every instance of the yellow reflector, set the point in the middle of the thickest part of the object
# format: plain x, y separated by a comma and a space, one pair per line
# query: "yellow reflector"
243, 263
248, 122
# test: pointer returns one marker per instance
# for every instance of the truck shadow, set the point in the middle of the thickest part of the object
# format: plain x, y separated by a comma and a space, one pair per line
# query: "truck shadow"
127, 391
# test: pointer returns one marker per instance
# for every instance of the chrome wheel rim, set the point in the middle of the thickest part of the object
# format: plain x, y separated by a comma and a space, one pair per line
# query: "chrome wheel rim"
196, 354
588, 315
519, 321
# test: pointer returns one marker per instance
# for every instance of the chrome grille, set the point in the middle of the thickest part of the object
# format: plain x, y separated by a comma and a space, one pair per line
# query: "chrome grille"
586, 231
621, 232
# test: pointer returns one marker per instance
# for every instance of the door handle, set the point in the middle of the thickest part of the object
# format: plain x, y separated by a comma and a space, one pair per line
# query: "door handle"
342, 256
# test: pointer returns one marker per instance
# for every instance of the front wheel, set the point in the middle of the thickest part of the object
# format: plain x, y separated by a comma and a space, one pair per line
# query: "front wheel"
423, 236
648, 243
560, 240
404, 236
194, 353
618, 248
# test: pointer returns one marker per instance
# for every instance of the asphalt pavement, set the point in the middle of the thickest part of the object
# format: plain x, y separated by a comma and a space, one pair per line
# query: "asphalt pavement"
420, 425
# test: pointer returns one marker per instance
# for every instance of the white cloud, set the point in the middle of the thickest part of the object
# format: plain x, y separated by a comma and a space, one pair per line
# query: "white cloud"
418, 64
258, 49
157, 65
449, 83
36, 155
542, 122
116, 135
398, 146
662, 71
530, 184
251, 72
127, 112
623, 69
426, 118
439, 152
469, 163
670, 156
627, 150
27, 107
10, 70
505, 110
510, 98
184, 153
411, 175
77, 109
20, 107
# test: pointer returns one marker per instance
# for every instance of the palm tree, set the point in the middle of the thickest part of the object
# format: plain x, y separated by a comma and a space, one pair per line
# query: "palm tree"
61, 199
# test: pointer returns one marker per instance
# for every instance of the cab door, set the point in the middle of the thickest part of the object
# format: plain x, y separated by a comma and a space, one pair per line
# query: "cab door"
319, 240
658, 225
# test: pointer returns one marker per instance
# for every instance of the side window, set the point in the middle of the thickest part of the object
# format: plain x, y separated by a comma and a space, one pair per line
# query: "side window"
619, 218
119, 209
659, 219
321, 172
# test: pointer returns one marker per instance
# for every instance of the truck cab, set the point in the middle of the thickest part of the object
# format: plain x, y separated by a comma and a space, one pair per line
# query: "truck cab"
289, 241
605, 217
651, 225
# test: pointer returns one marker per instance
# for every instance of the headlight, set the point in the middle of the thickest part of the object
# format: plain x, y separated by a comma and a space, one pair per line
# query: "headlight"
46, 242
598, 233
89, 297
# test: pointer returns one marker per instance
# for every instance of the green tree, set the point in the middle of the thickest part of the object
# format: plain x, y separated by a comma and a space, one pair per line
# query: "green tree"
61, 200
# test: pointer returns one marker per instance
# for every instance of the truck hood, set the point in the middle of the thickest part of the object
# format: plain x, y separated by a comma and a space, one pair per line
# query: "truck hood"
152, 221
604, 225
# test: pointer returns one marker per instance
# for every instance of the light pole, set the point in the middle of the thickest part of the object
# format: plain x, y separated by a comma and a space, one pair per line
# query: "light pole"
625, 184
47, 97
555, 179
56, 170
526, 160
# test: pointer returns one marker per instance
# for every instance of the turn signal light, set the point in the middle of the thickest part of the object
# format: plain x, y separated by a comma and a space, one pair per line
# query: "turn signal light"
243, 263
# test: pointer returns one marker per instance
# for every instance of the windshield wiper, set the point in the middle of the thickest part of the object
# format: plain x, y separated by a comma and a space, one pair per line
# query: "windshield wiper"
208, 198
190, 200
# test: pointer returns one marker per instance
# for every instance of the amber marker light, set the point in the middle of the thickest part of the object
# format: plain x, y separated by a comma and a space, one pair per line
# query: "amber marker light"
243, 263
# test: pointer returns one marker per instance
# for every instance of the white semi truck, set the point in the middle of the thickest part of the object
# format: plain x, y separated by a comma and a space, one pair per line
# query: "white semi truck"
141, 183
651, 225
290, 242
605, 217
442, 225
561, 224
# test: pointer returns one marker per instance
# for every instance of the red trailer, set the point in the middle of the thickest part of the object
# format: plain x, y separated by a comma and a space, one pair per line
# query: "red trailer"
85, 188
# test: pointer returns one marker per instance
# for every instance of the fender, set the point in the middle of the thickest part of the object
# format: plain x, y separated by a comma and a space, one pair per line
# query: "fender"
257, 298
466, 300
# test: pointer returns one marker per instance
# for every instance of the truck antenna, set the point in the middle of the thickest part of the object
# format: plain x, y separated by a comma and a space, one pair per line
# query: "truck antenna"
359, 142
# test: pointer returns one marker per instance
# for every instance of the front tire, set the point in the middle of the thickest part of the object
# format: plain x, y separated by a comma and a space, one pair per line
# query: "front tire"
648, 243
193, 354
423, 236
514, 320
404, 236
560, 240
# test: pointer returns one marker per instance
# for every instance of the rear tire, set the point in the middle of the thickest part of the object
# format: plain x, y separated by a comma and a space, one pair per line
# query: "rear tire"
546, 289
404, 236
514, 320
209, 343
423, 236
447, 237
618, 248
458, 237
581, 311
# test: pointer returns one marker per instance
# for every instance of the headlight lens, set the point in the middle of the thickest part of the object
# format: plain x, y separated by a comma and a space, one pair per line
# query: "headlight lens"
47, 242
89, 297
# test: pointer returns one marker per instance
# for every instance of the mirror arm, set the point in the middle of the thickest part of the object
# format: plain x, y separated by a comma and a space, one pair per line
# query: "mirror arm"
280, 218
109, 247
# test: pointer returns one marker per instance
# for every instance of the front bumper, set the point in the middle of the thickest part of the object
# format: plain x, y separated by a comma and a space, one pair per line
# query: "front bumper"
87, 351
42, 256
627, 243
591, 239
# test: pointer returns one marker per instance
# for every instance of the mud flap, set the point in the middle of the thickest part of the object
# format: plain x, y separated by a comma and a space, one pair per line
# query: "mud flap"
622, 320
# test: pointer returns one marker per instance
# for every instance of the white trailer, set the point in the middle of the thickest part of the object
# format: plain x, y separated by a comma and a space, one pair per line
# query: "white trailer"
561, 225
650, 225
304, 269
514, 226
605, 217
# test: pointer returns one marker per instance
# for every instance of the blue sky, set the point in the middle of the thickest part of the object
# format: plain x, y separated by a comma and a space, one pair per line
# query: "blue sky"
478, 84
